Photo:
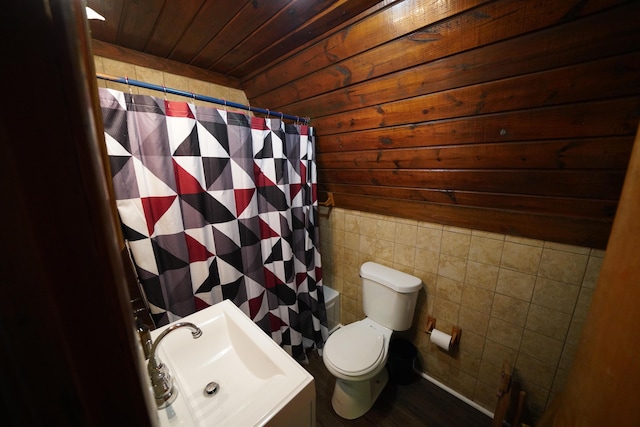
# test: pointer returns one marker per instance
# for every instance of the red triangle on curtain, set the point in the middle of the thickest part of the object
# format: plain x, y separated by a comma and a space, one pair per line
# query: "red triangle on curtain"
185, 182
154, 208
260, 178
270, 279
197, 251
178, 109
275, 323
243, 198
301, 278
294, 189
266, 231
303, 172
200, 304
259, 123
254, 305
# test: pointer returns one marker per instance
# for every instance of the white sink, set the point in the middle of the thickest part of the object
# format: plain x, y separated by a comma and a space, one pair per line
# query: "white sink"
259, 383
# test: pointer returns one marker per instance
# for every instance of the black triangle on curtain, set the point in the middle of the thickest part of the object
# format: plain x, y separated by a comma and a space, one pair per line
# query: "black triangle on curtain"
165, 260
190, 146
130, 234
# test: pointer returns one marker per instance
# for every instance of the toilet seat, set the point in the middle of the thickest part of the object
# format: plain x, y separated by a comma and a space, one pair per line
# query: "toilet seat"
355, 349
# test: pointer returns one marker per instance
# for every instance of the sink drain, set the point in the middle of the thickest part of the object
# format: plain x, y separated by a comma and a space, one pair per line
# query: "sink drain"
211, 388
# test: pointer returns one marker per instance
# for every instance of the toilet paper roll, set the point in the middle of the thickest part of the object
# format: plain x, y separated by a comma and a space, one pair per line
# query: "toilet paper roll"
441, 339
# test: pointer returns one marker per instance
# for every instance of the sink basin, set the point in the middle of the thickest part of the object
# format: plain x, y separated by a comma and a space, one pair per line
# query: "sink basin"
258, 382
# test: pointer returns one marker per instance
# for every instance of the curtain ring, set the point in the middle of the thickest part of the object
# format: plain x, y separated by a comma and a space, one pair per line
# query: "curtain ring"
225, 104
164, 89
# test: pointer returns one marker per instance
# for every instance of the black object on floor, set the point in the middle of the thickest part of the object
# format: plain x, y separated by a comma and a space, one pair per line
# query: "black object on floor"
402, 354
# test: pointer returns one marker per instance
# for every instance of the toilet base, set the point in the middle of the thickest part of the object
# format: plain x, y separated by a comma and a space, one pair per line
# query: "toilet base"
352, 399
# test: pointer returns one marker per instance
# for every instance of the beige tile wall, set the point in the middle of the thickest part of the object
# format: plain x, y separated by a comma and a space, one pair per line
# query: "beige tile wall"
148, 75
516, 299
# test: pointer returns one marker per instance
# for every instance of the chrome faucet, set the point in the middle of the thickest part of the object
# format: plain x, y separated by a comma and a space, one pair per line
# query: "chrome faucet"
161, 380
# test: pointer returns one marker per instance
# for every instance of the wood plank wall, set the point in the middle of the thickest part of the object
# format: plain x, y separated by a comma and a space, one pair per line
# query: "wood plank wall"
513, 116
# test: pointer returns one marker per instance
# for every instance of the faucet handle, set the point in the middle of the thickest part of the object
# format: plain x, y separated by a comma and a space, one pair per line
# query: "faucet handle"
162, 384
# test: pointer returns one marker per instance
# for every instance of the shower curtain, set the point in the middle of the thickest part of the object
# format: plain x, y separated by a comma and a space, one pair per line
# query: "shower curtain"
219, 205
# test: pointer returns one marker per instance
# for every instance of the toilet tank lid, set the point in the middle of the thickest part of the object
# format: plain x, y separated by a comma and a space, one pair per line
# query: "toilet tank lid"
397, 280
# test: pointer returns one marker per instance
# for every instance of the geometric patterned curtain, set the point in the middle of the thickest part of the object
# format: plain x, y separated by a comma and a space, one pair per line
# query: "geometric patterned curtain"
219, 205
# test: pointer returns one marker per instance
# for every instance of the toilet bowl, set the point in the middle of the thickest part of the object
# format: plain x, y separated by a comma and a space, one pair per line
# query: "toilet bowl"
356, 354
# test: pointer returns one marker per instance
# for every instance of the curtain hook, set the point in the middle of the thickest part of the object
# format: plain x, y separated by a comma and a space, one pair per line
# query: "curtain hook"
225, 105
164, 89
126, 79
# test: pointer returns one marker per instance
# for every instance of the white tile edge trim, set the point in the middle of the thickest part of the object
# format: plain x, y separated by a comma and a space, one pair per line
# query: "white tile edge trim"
455, 393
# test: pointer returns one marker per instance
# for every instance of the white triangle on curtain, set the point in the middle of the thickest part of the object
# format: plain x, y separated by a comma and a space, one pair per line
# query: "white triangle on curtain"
171, 220
193, 165
148, 184
178, 129
209, 145
144, 255
132, 215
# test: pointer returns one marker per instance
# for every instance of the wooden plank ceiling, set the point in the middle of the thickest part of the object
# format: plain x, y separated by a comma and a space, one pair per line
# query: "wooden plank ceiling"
234, 39
510, 116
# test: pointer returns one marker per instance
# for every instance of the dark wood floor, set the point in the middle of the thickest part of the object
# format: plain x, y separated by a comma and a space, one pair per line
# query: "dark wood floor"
419, 403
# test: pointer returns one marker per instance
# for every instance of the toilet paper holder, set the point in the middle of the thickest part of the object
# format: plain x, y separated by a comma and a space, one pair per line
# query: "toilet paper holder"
455, 331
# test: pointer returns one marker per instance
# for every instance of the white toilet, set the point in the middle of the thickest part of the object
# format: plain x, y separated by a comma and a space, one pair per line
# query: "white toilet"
356, 354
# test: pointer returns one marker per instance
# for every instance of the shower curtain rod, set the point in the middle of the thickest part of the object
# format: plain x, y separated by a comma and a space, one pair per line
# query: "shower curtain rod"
138, 83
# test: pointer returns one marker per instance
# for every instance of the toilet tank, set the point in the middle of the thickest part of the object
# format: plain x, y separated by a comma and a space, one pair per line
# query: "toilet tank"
389, 296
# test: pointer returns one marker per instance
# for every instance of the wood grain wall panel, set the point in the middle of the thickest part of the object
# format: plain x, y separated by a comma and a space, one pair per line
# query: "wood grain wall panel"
580, 153
509, 116
587, 184
563, 206
595, 119
399, 19
472, 29
601, 79
529, 53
